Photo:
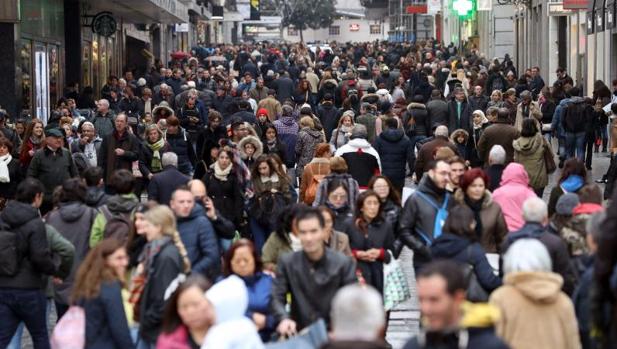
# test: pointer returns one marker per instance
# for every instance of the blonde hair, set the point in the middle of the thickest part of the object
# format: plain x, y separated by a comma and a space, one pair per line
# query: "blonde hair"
307, 121
162, 216
338, 165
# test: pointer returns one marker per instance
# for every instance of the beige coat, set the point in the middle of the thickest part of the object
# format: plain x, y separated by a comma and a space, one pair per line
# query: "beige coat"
535, 313
273, 107
529, 152
534, 110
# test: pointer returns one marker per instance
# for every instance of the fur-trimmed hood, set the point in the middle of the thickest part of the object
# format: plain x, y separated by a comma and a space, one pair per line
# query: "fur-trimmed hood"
414, 105
487, 199
457, 133
253, 140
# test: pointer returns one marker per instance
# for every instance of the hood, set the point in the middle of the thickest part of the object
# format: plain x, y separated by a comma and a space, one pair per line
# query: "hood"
359, 143
312, 132
18, 213
229, 298
457, 133
413, 105
392, 135
448, 245
572, 184
370, 98
539, 287
514, 173
71, 211
122, 203
253, 140
577, 100
479, 315
528, 145
94, 195
487, 199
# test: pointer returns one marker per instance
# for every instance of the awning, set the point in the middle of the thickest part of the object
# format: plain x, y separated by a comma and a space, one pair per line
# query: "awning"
599, 15
609, 14
143, 11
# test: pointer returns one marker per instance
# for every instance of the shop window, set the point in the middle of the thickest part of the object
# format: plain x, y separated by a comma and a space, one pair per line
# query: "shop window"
54, 74
86, 69
334, 30
96, 82
375, 29
26, 75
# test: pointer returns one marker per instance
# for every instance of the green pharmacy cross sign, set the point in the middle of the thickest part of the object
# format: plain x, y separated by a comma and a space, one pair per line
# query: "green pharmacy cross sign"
463, 8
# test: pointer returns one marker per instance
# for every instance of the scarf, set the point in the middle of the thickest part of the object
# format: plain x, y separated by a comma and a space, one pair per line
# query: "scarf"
296, 244
274, 178
221, 174
476, 207
4, 168
151, 249
271, 144
156, 163
36, 141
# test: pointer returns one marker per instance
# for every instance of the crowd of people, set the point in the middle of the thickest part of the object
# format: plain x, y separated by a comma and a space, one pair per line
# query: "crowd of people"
238, 202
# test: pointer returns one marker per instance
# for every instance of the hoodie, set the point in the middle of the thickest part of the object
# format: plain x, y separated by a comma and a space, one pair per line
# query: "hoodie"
529, 152
362, 159
232, 330
512, 193
96, 197
394, 149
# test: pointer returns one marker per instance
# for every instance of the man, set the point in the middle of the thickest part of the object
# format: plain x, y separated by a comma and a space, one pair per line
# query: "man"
243, 114
496, 165
367, 117
573, 121
437, 109
447, 319
121, 204
95, 194
459, 112
361, 158
164, 94
224, 228
510, 103
205, 81
119, 149
130, 104
284, 87
145, 104
328, 115
52, 165
311, 276
88, 144
537, 83
192, 116
22, 293
175, 81
222, 102
9, 134
563, 77
103, 119
557, 126
358, 319
272, 105
495, 81
164, 183
260, 91
394, 149
246, 85
427, 150
535, 214
479, 101
527, 108
385, 78
196, 233
499, 133
424, 212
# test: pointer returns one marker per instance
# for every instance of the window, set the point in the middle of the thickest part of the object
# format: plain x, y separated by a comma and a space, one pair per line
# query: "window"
292, 31
375, 29
334, 30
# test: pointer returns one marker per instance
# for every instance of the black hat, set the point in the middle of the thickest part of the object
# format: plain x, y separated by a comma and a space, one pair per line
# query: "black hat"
53, 132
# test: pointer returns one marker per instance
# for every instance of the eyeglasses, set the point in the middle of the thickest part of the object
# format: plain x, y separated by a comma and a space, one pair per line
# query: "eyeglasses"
338, 196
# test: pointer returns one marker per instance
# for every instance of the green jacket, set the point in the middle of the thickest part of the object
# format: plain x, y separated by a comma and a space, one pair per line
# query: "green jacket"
61, 249
117, 204
273, 249
52, 169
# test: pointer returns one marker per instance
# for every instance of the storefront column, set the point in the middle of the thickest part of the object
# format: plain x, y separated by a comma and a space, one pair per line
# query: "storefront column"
72, 40
10, 96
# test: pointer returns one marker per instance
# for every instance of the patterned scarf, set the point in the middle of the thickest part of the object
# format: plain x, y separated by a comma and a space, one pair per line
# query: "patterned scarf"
156, 163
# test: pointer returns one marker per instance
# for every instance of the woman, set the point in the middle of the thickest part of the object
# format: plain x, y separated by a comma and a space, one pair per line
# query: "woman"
547, 107
496, 100
535, 313
20, 128
342, 134
34, 139
269, 182
529, 151
308, 138
223, 187
336, 240
250, 148
163, 260
459, 242
479, 123
573, 177
338, 171
180, 144
490, 224
272, 143
10, 172
152, 151
390, 200
98, 289
303, 93
337, 199
513, 191
284, 239
370, 238
314, 173
242, 260
188, 316
262, 123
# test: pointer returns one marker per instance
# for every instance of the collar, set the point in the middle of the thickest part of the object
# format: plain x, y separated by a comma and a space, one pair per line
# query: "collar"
49, 151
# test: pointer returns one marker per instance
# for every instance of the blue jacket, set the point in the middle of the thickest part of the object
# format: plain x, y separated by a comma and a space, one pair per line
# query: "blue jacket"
106, 324
200, 241
394, 149
556, 124
259, 288
460, 249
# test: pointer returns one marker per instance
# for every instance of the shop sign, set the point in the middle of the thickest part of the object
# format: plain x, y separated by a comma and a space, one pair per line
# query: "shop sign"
575, 4
416, 9
104, 24
354, 27
556, 9
434, 6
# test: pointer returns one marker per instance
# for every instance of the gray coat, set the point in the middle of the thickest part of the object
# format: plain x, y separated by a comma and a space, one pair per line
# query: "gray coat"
52, 169
308, 139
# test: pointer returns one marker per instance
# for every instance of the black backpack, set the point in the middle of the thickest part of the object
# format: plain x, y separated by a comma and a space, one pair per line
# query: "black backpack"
267, 207
475, 292
10, 250
118, 225
574, 120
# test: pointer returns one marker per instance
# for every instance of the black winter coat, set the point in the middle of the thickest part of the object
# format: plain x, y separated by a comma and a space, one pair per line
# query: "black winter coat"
226, 195
146, 155
329, 117
109, 161
394, 150
164, 183
438, 112
7, 190
465, 120
479, 337
181, 145
417, 121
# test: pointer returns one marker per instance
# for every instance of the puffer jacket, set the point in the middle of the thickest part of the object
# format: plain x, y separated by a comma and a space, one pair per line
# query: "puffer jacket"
181, 145
512, 193
394, 149
308, 139
417, 121
199, 238
329, 117
494, 228
529, 151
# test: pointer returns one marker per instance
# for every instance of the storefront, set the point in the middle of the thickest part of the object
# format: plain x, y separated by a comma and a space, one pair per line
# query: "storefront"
101, 57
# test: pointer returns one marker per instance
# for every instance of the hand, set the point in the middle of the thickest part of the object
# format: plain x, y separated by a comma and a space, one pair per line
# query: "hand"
210, 210
286, 328
273, 190
150, 175
84, 140
374, 254
259, 320
57, 281
31, 152
119, 152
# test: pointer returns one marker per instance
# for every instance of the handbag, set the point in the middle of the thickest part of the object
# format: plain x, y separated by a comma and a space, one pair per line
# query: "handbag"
549, 158
395, 286
70, 331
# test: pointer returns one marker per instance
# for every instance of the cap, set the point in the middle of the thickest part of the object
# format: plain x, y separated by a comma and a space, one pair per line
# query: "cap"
262, 111
53, 132
566, 204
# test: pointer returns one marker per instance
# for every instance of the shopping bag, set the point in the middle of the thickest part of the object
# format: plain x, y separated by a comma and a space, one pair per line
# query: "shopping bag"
70, 332
395, 286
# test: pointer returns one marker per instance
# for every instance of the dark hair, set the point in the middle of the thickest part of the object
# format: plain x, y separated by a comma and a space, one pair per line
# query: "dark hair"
171, 319
335, 183
359, 219
6, 143
73, 189
92, 175
459, 222
470, 176
529, 128
232, 251
449, 270
309, 213
325, 209
590, 193
285, 220
573, 166
393, 194
173, 121
390, 123
27, 190
122, 181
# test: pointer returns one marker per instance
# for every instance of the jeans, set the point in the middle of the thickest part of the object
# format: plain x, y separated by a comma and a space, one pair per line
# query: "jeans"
603, 133
260, 234
29, 306
16, 341
575, 143
590, 143
561, 144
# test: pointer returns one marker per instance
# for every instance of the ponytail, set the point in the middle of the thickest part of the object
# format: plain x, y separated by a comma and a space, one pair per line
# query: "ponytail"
175, 237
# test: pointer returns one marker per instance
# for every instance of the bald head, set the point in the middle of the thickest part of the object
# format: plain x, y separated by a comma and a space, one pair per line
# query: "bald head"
197, 188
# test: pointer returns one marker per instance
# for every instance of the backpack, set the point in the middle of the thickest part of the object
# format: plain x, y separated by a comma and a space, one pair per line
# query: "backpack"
11, 252
118, 225
267, 207
311, 191
475, 292
70, 331
574, 120
440, 217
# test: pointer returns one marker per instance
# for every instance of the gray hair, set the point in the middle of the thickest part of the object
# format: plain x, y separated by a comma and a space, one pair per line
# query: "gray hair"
441, 131
169, 159
497, 155
534, 210
527, 255
593, 224
357, 314
104, 102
